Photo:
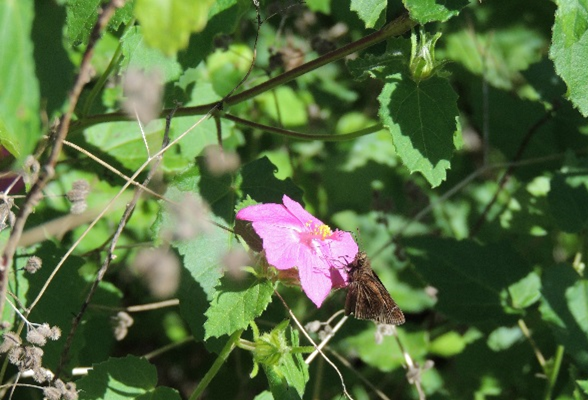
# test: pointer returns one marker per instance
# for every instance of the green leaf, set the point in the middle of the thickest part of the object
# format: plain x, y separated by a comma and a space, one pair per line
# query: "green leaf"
422, 119
565, 308
386, 356
82, 15
323, 6
138, 55
260, 183
507, 51
223, 18
292, 107
123, 141
291, 372
472, 279
372, 12
525, 292
425, 11
202, 253
505, 337
19, 87
235, 304
392, 62
168, 24
448, 344
123, 378
569, 49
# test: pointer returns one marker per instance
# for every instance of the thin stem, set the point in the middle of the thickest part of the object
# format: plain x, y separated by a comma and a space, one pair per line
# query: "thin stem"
305, 136
397, 27
314, 344
329, 336
168, 347
222, 357
114, 61
527, 334
554, 372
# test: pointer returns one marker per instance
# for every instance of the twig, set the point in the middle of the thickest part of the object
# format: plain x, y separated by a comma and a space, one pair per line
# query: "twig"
110, 255
326, 340
48, 171
397, 27
346, 363
315, 345
413, 370
141, 307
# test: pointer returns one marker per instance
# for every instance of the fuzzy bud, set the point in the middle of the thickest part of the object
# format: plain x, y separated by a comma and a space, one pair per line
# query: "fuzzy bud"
34, 264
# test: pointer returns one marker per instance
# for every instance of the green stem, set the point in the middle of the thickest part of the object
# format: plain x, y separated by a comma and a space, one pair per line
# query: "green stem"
102, 81
397, 27
222, 357
554, 372
305, 136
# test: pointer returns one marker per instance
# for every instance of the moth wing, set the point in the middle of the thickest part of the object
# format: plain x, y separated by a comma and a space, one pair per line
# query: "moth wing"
351, 299
373, 302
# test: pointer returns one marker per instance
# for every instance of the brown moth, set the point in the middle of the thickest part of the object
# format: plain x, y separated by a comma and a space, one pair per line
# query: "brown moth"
367, 298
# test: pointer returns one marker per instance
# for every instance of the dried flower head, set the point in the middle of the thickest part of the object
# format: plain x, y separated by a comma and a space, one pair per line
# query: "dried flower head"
32, 168
41, 375
121, 323
77, 196
11, 340
71, 392
55, 333
160, 269
27, 357
234, 261
190, 217
37, 338
79, 191
51, 393
143, 91
78, 207
7, 217
219, 161
313, 326
34, 264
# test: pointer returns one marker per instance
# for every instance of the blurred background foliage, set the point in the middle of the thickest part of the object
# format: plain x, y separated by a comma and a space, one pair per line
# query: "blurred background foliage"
467, 185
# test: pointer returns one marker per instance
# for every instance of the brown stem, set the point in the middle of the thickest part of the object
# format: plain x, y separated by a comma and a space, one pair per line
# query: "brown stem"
397, 27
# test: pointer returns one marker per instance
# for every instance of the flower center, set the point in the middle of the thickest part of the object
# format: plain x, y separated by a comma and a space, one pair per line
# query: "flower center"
320, 232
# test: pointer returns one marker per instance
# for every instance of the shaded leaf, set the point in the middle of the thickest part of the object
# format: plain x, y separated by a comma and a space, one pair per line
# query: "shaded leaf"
565, 307
472, 280
123, 378
422, 119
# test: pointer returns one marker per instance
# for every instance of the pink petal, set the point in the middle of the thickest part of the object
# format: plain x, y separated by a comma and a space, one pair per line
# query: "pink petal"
315, 279
270, 213
300, 213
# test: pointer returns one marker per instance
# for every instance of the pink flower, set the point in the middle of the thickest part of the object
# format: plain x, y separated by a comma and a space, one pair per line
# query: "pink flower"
294, 238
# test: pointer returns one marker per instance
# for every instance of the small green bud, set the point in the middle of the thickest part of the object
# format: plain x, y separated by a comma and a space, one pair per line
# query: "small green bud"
271, 346
422, 58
